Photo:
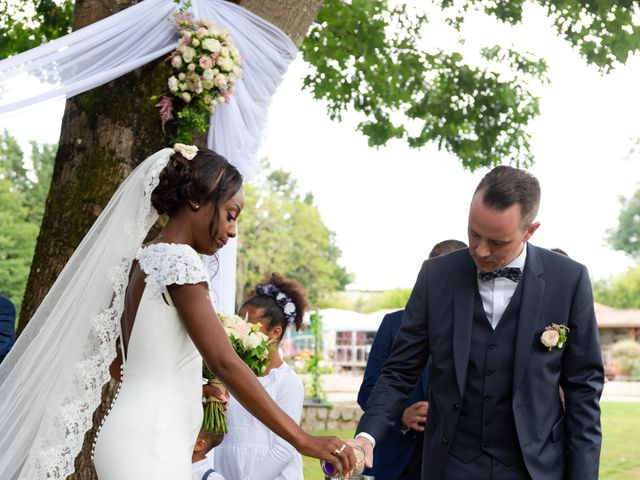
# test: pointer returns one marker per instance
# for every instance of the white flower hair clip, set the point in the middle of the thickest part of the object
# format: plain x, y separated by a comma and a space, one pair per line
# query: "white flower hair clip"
187, 151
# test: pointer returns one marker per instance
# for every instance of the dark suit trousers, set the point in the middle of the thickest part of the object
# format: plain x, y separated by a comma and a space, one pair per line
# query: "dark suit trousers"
485, 467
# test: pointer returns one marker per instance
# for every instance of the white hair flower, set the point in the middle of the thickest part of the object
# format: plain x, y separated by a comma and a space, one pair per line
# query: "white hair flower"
187, 151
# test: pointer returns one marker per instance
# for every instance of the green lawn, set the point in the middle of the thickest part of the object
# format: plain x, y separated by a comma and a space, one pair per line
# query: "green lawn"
620, 459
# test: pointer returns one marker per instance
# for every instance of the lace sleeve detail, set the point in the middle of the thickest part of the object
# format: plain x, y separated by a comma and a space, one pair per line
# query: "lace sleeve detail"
171, 264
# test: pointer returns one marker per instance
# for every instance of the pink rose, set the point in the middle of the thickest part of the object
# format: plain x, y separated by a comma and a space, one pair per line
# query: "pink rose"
550, 338
205, 62
176, 62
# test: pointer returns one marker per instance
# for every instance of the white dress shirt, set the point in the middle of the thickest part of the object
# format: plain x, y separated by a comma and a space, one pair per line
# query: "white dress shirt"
496, 293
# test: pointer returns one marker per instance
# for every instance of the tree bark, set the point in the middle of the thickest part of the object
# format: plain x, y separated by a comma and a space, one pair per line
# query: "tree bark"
105, 134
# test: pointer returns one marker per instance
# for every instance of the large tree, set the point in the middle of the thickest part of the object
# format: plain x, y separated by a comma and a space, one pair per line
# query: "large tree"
282, 231
625, 237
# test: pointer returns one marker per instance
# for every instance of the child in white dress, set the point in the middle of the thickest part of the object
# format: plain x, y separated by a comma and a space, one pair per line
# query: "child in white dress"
250, 451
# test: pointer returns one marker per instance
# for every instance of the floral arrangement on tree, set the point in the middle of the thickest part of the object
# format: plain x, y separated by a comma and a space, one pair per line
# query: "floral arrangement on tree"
206, 67
252, 346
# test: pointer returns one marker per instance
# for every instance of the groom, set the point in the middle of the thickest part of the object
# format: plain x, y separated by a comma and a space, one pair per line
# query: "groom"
480, 313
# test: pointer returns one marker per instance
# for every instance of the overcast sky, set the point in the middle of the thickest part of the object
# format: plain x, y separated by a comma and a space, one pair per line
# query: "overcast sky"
389, 206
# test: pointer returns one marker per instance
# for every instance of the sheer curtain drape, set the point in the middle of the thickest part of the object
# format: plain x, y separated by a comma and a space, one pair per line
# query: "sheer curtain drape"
51, 380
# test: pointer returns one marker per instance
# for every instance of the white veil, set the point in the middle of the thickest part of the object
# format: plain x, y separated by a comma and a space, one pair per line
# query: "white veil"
51, 381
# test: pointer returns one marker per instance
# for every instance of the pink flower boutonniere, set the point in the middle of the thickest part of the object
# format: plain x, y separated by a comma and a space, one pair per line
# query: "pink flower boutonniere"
554, 336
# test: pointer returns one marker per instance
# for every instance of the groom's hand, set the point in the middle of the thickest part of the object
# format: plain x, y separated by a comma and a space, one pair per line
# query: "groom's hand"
414, 416
366, 446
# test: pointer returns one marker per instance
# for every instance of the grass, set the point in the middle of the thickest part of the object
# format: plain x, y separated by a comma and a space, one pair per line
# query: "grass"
620, 459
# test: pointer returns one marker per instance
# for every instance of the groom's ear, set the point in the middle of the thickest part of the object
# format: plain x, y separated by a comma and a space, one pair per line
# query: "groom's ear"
531, 230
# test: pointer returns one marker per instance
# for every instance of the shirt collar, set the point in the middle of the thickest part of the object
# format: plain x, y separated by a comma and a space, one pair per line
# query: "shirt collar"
520, 260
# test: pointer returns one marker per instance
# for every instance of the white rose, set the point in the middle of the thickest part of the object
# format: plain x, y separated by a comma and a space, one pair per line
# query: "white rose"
224, 51
225, 63
221, 81
182, 86
191, 67
186, 97
207, 84
187, 151
280, 296
252, 341
173, 83
550, 338
182, 76
187, 54
221, 99
176, 62
208, 74
195, 43
212, 45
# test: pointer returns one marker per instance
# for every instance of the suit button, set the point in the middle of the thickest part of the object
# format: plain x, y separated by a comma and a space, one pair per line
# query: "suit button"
486, 422
444, 441
456, 407
490, 372
487, 398
487, 445
492, 346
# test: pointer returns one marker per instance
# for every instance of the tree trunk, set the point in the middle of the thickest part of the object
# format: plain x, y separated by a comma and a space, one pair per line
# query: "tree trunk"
105, 134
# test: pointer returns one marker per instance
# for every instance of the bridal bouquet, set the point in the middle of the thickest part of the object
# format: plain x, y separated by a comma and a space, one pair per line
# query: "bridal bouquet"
206, 67
252, 346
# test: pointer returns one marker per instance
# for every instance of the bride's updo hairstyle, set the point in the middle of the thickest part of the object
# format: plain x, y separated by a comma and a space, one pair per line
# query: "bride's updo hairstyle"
267, 296
208, 177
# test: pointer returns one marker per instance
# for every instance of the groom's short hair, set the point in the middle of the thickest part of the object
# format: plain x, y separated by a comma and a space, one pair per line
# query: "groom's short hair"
505, 186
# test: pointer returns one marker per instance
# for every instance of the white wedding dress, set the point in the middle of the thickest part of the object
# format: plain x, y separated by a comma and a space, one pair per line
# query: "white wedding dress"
152, 427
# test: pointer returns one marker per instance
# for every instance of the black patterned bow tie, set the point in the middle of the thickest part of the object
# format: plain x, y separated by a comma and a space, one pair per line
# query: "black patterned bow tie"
511, 273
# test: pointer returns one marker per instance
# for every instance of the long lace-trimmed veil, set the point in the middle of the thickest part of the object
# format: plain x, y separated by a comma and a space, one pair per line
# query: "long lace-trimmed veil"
51, 381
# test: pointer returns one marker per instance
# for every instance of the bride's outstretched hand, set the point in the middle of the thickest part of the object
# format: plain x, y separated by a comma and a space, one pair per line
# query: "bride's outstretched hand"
330, 449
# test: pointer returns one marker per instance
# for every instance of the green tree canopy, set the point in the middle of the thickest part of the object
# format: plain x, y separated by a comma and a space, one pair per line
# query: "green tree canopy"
622, 291
626, 236
23, 192
282, 231
367, 56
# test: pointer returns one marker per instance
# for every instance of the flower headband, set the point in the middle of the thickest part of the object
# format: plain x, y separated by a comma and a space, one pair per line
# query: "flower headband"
284, 301
187, 151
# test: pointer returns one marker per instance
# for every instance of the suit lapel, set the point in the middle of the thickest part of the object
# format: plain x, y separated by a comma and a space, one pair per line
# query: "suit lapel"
530, 306
463, 298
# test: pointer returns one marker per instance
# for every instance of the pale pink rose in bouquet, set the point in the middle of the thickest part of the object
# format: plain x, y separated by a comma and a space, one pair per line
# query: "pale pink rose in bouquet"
202, 31
186, 97
205, 63
176, 61
191, 67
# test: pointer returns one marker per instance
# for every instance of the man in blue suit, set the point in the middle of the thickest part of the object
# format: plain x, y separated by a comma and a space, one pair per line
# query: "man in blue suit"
504, 324
7, 326
399, 455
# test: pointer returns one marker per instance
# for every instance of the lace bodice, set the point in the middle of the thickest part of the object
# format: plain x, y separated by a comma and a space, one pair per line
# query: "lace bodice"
170, 264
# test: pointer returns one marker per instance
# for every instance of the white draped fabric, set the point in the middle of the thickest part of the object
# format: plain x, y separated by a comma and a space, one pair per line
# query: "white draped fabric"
37, 404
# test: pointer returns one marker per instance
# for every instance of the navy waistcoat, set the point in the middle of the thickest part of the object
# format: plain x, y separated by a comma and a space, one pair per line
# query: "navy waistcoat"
486, 423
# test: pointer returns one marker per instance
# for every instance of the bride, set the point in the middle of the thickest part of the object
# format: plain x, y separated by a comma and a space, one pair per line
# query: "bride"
155, 298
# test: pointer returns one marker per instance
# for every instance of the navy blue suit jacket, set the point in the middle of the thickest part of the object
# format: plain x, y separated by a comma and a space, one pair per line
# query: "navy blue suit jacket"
392, 454
7, 326
437, 323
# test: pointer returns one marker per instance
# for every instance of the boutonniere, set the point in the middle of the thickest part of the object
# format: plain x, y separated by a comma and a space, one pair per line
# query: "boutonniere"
554, 335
